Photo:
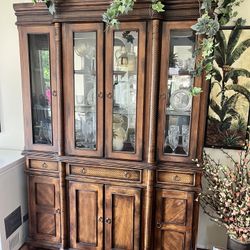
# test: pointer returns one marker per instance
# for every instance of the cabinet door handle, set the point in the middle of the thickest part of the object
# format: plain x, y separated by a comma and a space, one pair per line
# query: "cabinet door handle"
127, 174
108, 221
58, 211
54, 93
159, 225
84, 171
109, 95
44, 165
100, 219
162, 96
100, 94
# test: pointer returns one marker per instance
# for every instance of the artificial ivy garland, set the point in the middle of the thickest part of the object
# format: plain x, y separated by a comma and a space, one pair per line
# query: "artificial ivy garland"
213, 15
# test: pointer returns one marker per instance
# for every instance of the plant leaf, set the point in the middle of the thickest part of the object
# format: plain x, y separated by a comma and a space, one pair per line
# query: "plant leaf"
158, 6
216, 74
234, 36
220, 49
235, 73
239, 89
216, 108
238, 51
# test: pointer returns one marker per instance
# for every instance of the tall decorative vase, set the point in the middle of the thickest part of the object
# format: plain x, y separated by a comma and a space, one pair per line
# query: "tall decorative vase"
233, 244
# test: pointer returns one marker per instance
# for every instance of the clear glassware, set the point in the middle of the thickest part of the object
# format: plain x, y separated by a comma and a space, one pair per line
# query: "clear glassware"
185, 138
173, 136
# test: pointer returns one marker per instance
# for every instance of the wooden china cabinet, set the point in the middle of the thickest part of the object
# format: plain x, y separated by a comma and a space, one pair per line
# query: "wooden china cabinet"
110, 126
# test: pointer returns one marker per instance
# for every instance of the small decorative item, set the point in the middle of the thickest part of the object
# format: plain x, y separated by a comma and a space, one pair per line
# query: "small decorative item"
173, 136
181, 100
119, 133
228, 113
227, 196
185, 138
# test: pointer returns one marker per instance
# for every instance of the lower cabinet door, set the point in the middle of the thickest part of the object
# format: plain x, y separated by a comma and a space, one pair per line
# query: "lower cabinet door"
44, 199
174, 212
86, 215
122, 218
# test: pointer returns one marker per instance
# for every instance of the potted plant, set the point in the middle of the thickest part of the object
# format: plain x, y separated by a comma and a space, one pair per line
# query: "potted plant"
226, 198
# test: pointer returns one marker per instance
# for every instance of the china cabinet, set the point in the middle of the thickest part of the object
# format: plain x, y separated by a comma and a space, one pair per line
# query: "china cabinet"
111, 130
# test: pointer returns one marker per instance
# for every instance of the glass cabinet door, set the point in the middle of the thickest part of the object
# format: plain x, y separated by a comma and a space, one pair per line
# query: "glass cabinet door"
177, 127
84, 89
125, 56
40, 107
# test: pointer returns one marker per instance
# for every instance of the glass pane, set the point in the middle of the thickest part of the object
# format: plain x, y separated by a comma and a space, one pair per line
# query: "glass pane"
125, 54
85, 89
179, 100
41, 88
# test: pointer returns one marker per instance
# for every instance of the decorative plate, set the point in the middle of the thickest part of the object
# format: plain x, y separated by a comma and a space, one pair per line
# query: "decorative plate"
181, 100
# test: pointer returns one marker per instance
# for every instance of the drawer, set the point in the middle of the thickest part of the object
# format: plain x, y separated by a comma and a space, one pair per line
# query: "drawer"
43, 165
171, 177
107, 173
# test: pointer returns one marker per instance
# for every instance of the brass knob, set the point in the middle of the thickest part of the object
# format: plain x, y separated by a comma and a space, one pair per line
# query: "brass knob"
100, 219
159, 225
109, 95
44, 165
108, 221
100, 94
84, 171
127, 174
176, 178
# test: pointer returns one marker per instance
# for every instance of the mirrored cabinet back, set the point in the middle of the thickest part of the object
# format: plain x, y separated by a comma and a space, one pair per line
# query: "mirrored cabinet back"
111, 129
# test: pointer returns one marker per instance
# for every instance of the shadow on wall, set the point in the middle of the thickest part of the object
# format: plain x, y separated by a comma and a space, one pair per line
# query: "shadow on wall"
210, 234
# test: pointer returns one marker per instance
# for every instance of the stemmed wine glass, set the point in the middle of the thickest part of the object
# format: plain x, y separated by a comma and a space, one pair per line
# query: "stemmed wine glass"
185, 138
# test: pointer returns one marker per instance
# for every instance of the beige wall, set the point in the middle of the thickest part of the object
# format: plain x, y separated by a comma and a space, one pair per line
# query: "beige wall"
11, 104
11, 113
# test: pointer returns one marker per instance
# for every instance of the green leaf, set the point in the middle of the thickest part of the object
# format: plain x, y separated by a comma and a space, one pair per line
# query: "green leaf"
239, 89
158, 7
238, 51
206, 25
235, 73
196, 91
220, 49
235, 35
206, 5
216, 108
216, 74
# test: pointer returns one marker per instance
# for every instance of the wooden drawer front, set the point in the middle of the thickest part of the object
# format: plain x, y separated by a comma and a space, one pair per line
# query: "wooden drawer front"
43, 165
107, 173
166, 177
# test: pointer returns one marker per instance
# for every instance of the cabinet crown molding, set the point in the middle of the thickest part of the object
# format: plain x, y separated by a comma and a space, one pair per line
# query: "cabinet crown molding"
87, 11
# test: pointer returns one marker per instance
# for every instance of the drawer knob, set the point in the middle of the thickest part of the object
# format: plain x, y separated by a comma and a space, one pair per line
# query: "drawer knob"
159, 225
100, 219
108, 221
44, 165
84, 171
127, 174
176, 178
